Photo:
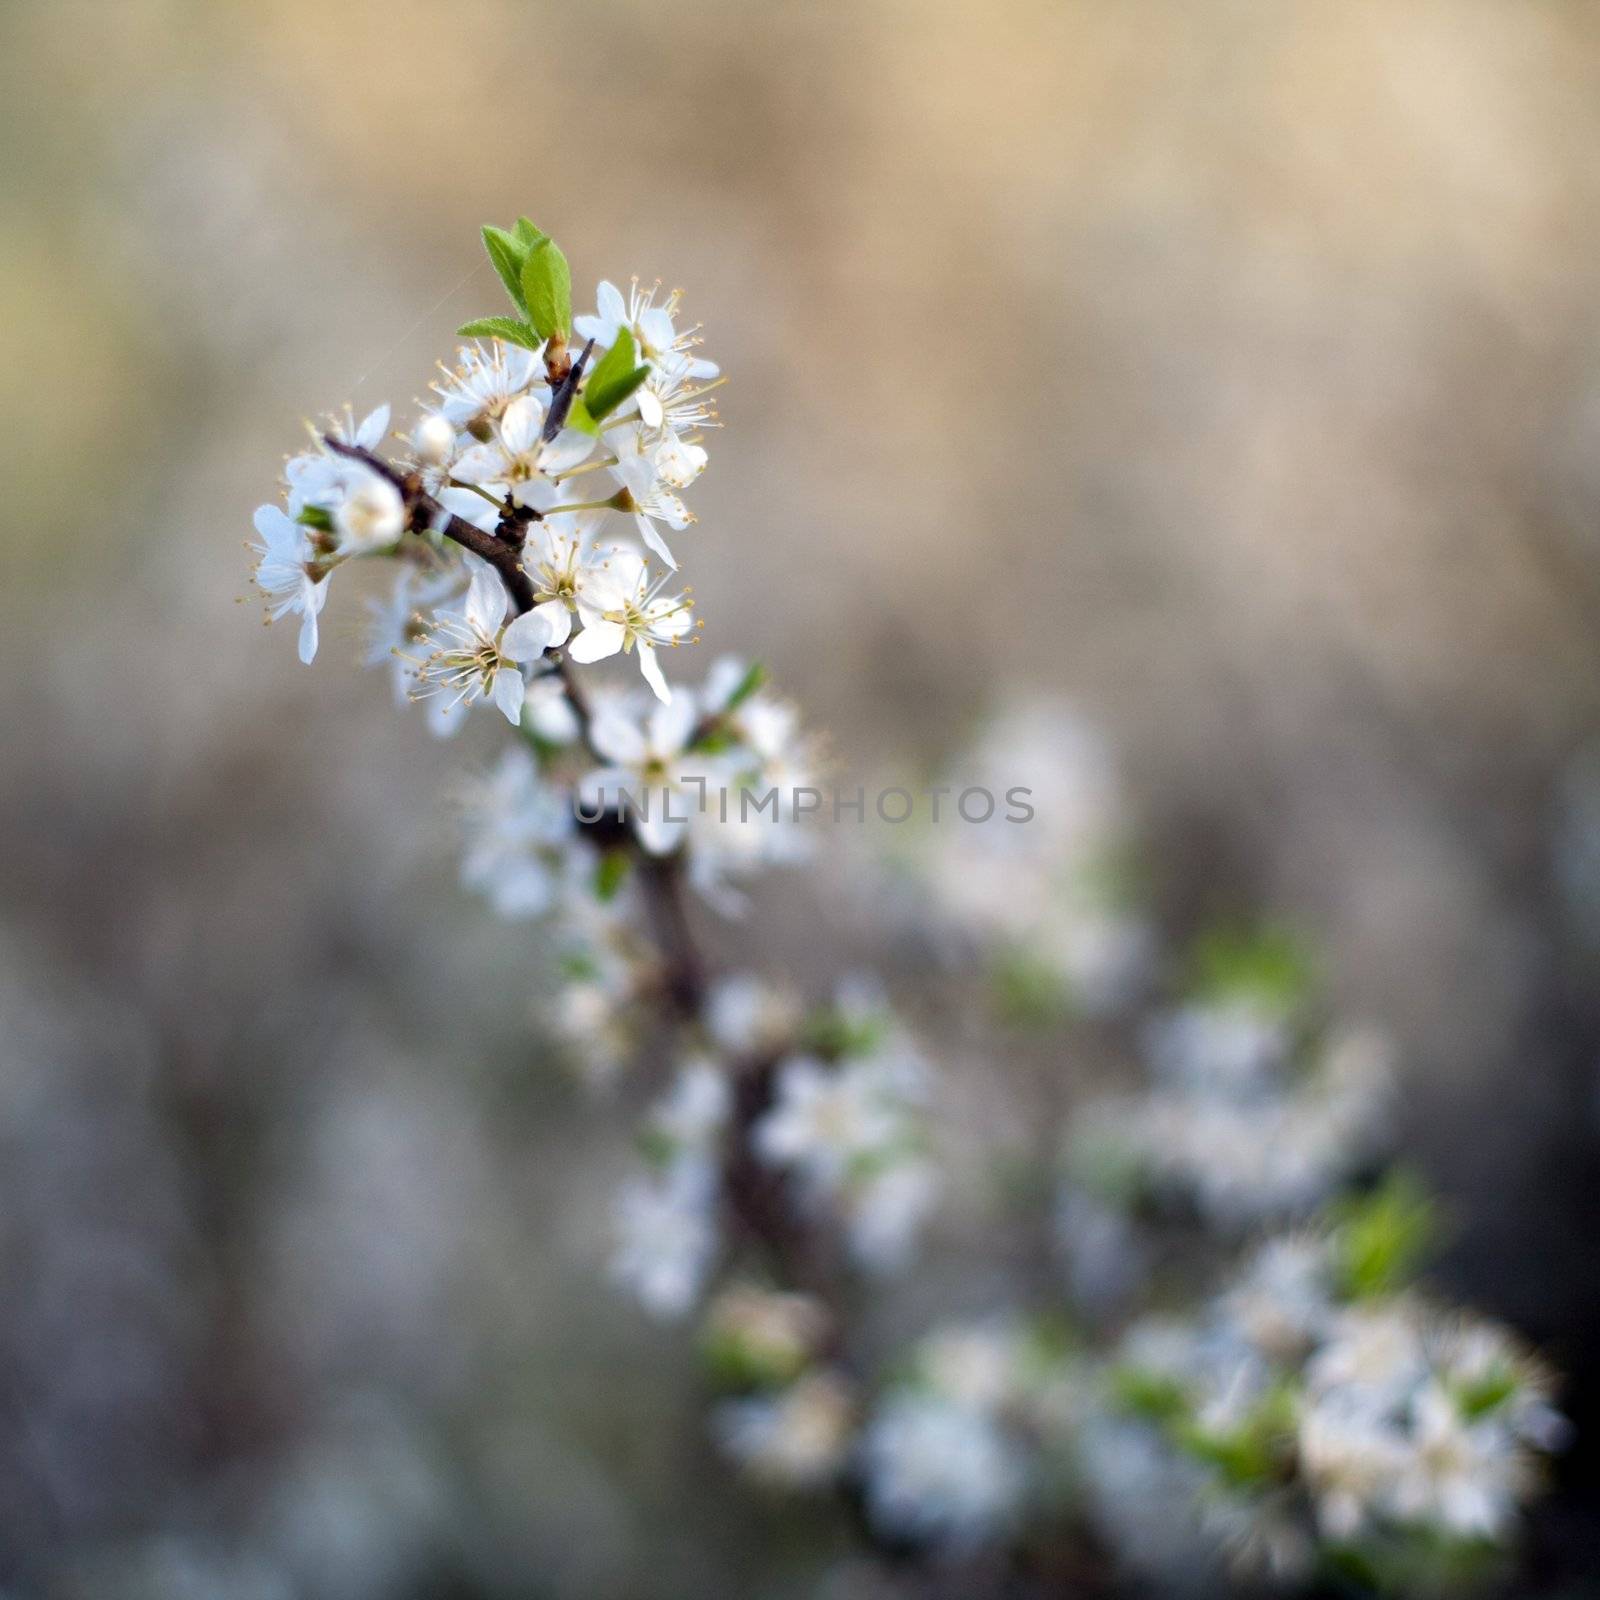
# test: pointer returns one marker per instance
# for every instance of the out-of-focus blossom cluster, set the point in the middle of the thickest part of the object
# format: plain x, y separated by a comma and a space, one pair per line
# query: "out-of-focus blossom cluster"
842, 1137
849, 1127
1334, 1419
968, 1442
1259, 1107
1054, 900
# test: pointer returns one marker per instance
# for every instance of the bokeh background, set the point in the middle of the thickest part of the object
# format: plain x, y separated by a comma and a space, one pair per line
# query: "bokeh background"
1231, 369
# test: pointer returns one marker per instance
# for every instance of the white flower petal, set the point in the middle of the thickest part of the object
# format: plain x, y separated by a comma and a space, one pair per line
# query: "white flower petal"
597, 641
651, 668
373, 427
566, 450
618, 739
521, 425
650, 535
486, 597
558, 619
507, 691
528, 637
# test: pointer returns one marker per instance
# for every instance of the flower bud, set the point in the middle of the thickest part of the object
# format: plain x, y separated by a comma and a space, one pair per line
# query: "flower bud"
434, 440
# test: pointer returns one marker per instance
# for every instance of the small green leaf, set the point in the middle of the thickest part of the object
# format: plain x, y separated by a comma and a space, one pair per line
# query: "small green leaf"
656, 1146
1381, 1238
508, 253
578, 417
1268, 967
547, 289
747, 686
529, 236
508, 329
1027, 992
1154, 1396
315, 517
834, 1033
603, 405
609, 875
1488, 1393
614, 378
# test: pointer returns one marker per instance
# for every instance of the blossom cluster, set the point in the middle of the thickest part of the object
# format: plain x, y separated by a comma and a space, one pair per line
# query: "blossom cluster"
519, 442
1259, 1107
1339, 1419
1316, 1412
843, 1128
958, 1450
1054, 903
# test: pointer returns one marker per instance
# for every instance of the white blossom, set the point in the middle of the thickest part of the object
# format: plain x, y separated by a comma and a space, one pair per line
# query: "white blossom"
515, 825
486, 379
652, 326
559, 562
370, 513
749, 1017
623, 610
666, 1236
434, 439
796, 1438
648, 494
647, 773
291, 574
517, 459
939, 1472
825, 1120
476, 654
693, 1113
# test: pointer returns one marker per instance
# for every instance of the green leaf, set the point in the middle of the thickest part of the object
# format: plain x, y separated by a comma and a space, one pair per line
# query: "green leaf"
1268, 967
614, 378
315, 517
1488, 1393
747, 686
1028, 992
508, 254
834, 1033
578, 416
1382, 1237
508, 329
609, 875
547, 289
656, 1146
1154, 1396
529, 236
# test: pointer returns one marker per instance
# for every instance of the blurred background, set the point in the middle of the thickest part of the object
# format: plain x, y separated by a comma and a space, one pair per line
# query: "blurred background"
1233, 370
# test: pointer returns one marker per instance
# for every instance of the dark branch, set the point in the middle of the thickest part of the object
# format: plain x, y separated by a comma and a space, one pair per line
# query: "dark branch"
565, 393
425, 512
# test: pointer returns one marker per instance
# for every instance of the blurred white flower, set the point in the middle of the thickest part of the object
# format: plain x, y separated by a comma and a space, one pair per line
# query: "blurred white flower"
939, 1472
291, 574
796, 1438
666, 1236
516, 827
827, 1119
646, 773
